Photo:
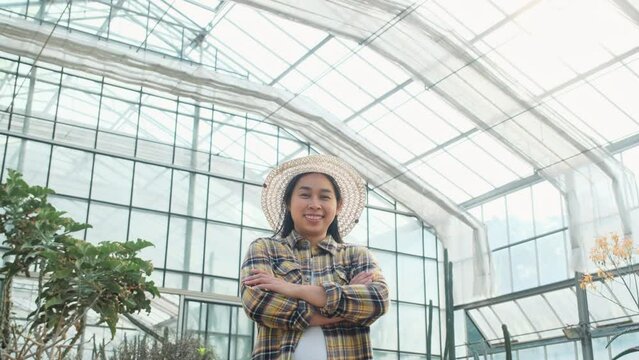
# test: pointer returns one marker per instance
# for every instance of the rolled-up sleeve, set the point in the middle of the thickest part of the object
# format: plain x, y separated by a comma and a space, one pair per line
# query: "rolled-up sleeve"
360, 304
268, 308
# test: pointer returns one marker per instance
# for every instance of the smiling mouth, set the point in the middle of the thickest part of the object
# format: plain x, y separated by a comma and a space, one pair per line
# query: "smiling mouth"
313, 217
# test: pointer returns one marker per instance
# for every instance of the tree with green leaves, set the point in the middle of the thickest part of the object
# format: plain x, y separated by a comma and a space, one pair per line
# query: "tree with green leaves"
73, 276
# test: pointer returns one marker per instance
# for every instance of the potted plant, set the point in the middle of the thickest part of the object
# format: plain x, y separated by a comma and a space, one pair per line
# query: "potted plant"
73, 276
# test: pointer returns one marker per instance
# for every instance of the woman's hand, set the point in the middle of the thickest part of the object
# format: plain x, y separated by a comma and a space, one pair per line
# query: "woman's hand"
362, 278
266, 282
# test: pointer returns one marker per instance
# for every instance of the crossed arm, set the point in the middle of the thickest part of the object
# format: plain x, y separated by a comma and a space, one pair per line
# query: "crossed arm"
276, 303
312, 294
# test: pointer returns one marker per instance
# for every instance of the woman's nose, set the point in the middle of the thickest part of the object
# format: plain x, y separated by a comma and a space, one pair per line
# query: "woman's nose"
314, 202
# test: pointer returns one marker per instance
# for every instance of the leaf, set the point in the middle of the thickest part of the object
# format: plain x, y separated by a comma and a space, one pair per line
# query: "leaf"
626, 352
627, 330
53, 301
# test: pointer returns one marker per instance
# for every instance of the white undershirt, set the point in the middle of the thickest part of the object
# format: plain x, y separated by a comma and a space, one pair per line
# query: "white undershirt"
312, 344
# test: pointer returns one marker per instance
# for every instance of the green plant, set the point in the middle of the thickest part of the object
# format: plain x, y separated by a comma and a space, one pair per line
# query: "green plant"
74, 276
141, 348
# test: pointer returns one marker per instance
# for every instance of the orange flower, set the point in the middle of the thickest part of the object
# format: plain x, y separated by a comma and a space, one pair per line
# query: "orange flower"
586, 281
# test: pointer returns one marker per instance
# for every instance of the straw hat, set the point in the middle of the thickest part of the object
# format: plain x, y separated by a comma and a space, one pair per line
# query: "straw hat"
351, 186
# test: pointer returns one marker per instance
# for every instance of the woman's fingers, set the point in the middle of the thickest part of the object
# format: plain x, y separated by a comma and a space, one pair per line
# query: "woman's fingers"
362, 278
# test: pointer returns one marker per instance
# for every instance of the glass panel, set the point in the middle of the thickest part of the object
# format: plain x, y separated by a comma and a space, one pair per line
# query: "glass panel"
253, 215
225, 200
151, 227
501, 263
412, 328
495, 220
430, 244
535, 353
28, 157
565, 351
484, 327
552, 258
541, 316
79, 106
220, 286
410, 278
517, 323
384, 330
409, 235
520, 215
381, 229
388, 263
151, 187
182, 281
385, 355
112, 178
222, 253
118, 116
241, 335
109, 222
185, 244
547, 208
359, 234
218, 322
187, 193
261, 154
70, 171
565, 304
524, 265
432, 284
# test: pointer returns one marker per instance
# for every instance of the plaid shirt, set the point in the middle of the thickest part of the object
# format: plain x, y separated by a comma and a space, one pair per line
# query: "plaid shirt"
281, 320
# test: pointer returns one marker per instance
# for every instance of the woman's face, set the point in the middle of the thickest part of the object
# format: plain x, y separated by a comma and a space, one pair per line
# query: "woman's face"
313, 206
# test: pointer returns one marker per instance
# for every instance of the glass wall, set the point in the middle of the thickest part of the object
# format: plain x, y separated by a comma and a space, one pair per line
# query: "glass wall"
527, 233
139, 163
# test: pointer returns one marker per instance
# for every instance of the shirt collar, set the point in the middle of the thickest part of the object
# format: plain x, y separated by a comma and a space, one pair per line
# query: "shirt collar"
327, 243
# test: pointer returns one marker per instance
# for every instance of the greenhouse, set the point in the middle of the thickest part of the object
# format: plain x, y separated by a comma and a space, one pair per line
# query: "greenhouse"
499, 142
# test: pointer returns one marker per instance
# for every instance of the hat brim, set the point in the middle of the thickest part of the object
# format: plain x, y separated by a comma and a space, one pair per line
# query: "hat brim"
351, 185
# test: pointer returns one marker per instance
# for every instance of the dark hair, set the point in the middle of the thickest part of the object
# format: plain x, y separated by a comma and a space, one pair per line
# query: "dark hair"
287, 223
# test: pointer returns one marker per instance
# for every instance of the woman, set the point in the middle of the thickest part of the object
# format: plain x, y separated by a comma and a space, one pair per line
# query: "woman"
312, 295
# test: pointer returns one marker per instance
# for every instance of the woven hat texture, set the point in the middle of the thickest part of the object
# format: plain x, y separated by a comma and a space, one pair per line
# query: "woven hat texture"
351, 185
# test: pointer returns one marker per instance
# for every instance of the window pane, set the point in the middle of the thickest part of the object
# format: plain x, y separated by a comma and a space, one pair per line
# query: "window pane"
112, 179
565, 351
253, 215
524, 265
388, 263
432, 286
495, 220
220, 286
150, 226
222, 254
501, 261
28, 157
412, 328
409, 235
186, 244
384, 330
381, 229
552, 258
225, 200
359, 234
109, 222
151, 187
70, 171
547, 206
187, 193
520, 218
411, 278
